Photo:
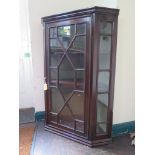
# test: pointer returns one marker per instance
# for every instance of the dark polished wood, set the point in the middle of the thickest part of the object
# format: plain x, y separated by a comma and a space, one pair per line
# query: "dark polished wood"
81, 12
79, 83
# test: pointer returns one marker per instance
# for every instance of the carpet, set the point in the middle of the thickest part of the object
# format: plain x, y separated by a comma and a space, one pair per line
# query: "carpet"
25, 139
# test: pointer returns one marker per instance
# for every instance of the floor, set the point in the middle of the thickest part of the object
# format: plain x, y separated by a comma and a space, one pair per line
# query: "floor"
46, 143
26, 133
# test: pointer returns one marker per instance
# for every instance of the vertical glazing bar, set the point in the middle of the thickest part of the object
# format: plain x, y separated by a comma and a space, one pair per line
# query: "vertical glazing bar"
75, 81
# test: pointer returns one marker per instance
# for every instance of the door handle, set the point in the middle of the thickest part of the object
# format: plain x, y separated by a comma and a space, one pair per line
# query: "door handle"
45, 86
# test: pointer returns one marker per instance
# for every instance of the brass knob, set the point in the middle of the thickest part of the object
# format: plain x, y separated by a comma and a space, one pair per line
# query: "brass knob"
45, 86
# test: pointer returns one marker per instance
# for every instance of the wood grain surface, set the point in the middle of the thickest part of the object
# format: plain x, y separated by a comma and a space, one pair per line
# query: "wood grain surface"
25, 139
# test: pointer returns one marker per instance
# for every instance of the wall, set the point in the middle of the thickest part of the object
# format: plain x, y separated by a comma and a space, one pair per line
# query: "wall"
25, 61
124, 99
124, 91
106, 3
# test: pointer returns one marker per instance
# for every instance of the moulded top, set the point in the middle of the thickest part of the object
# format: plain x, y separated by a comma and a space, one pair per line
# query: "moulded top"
95, 9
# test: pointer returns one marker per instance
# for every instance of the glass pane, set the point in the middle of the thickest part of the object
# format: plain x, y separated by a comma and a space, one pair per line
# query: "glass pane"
102, 108
66, 118
81, 28
53, 76
105, 27
104, 61
53, 32
54, 43
55, 58
65, 34
77, 59
104, 52
80, 80
76, 103
66, 78
79, 44
66, 90
103, 82
80, 126
103, 76
105, 44
53, 118
57, 100
102, 98
66, 71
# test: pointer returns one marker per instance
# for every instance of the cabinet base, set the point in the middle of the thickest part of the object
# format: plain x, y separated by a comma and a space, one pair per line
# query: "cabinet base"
77, 138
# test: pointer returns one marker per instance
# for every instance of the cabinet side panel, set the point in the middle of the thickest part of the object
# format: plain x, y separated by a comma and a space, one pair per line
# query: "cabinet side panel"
103, 74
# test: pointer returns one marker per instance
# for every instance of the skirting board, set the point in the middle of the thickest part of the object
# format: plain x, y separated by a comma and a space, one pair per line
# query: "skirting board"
117, 129
123, 128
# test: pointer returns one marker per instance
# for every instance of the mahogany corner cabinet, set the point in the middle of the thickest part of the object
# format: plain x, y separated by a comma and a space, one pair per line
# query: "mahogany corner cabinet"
80, 56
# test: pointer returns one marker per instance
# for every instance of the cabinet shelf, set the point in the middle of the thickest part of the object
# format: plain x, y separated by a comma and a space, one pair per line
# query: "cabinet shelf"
104, 70
105, 34
103, 92
68, 82
70, 51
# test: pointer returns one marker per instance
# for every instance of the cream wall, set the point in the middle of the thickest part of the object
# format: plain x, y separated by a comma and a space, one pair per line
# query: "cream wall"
106, 3
25, 62
124, 97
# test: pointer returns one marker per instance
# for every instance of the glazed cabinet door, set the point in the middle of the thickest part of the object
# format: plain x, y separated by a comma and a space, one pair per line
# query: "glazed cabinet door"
103, 80
67, 45
106, 28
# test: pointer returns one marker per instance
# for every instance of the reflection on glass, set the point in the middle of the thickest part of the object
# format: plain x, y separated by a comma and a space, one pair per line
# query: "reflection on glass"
54, 118
57, 100
79, 43
66, 31
54, 43
105, 44
103, 76
66, 90
53, 32
104, 52
81, 28
66, 78
66, 119
103, 99
80, 80
103, 82
66, 72
105, 27
102, 108
77, 59
53, 75
76, 103
104, 61
80, 126
55, 58
65, 34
